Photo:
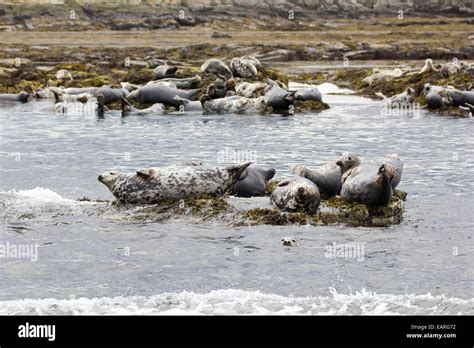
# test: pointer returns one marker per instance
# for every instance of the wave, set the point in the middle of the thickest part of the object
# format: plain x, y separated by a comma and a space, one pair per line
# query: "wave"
242, 302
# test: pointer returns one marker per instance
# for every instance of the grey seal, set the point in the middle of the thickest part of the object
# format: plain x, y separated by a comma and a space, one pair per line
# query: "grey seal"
188, 105
397, 163
328, 176
161, 93
110, 94
369, 184
433, 96
19, 97
296, 194
233, 105
278, 98
164, 71
243, 67
183, 83
216, 66
153, 185
305, 94
128, 109
253, 182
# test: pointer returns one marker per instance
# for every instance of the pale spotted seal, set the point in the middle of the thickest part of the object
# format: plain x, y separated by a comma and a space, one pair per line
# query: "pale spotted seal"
328, 176
243, 67
369, 184
153, 185
296, 194
233, 105
401, 99
289, 241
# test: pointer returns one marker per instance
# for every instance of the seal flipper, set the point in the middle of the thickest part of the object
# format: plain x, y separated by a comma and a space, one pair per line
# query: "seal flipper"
145, 174
268, 174
236, 171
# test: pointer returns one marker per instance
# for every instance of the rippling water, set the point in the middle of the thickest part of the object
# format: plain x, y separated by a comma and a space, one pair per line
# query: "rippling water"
85, 250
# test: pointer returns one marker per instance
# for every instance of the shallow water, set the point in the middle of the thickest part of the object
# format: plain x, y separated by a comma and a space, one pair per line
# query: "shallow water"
424, 265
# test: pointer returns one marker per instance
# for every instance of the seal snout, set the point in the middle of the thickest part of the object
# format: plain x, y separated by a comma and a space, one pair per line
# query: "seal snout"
100, 178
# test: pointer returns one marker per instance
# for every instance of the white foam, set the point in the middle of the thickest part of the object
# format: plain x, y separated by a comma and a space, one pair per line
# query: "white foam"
324, 88
41, 194
242, 302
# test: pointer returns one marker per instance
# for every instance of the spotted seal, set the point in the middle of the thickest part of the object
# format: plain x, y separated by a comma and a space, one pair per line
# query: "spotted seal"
164, 71
220, 88
328, 176
216, 66
296, 194
289, 241
63, 74
251, 90
253, 182
233, 105
19, 97
161, 93
369, 184
243, 67
110, 94
153, 185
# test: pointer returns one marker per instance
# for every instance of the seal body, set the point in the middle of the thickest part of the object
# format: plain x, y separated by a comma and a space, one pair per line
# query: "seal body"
153, 185
296, 194
164, 71
328, 176
161, 93
216, 66
183, 83
252, 182
305, 94
369, 184
234, 105
394, 160
251, 90
19, 97
278, 98
243, 67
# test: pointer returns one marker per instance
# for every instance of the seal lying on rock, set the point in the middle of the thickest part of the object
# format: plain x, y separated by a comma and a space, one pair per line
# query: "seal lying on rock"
328, 176
153, 185
383, 75
110, 94
305, 94
296, 194
161, 93
253, 182
188, 105
432, 96
216, 66
220, 88
369, 184
251, 90
243, 67
394, 160
20, 97
278, 98
184, 83
164, 71
397, 100
129, 109
233, 105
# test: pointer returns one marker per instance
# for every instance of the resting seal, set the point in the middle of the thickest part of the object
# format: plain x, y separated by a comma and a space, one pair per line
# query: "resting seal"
161, 93
394, 160
20, 97
397, 100
305, 94
278, 98
233, 105
164, 71
328, 176
251, 90
243, 67
216, 66
153, 185
252, 182
369, 184
296, 194
184, 83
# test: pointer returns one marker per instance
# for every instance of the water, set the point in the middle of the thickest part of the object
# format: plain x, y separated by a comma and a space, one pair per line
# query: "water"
95, 259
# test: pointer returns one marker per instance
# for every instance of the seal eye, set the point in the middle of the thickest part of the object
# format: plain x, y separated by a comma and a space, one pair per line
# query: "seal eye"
350, 158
